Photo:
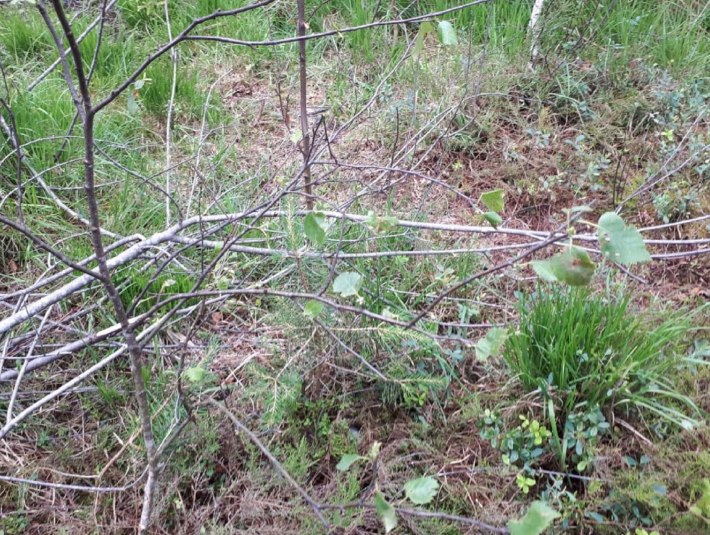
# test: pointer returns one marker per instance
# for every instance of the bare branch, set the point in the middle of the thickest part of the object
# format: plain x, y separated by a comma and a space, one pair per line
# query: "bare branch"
320, 35
303, 82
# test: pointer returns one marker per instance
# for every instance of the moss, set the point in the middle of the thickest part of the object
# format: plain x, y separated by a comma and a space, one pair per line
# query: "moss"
661, 491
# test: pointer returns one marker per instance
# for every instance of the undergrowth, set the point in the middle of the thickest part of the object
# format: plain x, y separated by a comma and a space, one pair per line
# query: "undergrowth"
595, 381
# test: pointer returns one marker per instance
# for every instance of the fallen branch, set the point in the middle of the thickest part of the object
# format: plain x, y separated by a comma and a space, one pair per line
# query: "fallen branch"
170, 234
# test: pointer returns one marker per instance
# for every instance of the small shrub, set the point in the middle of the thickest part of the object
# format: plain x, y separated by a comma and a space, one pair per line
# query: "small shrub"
527, 445
581, 433
581, 348
521, 446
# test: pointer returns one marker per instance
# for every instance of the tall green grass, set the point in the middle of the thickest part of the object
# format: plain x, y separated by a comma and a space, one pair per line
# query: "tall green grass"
155, 94
500, 25
117, 57
42, 118
667, 34
672, 34
584, 349
23, 35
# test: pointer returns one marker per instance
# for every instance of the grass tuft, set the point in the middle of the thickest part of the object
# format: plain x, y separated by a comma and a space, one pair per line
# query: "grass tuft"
23, 36
592, 350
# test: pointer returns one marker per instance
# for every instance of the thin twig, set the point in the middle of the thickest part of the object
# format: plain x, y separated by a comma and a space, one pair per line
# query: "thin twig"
169, 118
23, 369
64, 486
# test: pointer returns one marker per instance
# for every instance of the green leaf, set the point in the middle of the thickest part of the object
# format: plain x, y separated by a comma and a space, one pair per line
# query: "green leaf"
313, 308
447, 33
421, 490
493, 218
347, 284
347, 461
314, 227
380, 224
621, 242
385, 512
425, 28
573, 267
537, 519
491, 344
493, 200
543, 269
196, 374
132, 104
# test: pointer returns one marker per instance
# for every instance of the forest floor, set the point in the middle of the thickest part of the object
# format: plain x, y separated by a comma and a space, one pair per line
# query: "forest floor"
612, 116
